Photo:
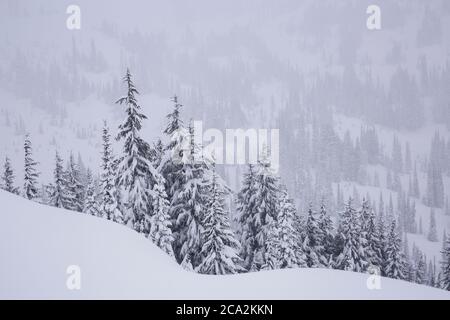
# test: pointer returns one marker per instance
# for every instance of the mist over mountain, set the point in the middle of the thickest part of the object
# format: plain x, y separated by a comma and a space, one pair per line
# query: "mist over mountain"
361, 114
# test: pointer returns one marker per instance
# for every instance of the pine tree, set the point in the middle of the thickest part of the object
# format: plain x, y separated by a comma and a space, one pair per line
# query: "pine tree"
326, 236
408, 158
74, 187
189, 202
353, 255
445, 263
419, 266
447, 207
409, 270
272, 255
395, 263
109, 207
415, 184
91, 206
283, 243
266, 199
311, 242
59, 196
171, 164
382, 242
420, 226
160, 225
397, 159
220, 247
435, 184
371, 235
432, 232
175, 122
30, 187
247, 210
431, 277
136, 174
8, 177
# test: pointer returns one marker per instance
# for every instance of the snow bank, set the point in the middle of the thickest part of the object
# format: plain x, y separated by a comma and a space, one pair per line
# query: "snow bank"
38, 243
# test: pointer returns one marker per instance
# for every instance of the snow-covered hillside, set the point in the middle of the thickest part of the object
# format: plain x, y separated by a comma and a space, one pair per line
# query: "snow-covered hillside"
38, 243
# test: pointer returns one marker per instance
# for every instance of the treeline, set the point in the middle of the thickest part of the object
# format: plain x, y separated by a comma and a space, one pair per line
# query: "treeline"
178, 200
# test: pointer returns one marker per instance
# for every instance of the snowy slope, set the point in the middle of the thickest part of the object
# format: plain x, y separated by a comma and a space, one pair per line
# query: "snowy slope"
38, 243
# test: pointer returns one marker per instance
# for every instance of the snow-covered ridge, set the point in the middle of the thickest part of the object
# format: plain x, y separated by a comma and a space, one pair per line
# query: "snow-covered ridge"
38, 243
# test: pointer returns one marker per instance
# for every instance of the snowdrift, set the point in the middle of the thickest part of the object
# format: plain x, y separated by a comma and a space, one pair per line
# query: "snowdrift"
38, 243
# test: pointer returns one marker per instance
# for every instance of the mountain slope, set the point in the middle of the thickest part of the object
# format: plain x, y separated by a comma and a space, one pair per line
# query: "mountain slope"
38, 243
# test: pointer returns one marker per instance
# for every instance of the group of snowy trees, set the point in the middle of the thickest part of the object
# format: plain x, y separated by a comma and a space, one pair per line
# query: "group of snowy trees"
178, 200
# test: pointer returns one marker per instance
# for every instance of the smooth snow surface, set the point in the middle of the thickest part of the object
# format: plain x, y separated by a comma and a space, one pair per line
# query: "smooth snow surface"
38, 243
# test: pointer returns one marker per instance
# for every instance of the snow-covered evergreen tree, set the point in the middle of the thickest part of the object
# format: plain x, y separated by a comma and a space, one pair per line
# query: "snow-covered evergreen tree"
109, 207
447, 207
258, 213
74, 187
283, 245
432, 232
311, 242
435, 184
220, 248
8, 177
273, 247
91, 205
419, 266
395, 263
160, 225
326, 237
445, 264
171, 164
371, 235
59, 196
382, 240
189, 201
30, 188
246, 208
136, 174
353, 256
415, 184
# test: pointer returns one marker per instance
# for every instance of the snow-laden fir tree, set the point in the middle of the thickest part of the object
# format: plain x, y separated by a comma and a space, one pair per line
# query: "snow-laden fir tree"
160, 224
326, 236
432, 232
353, 256
8, 177
291, 252
418, 266
447, 207
415, 184
381, 234
189, 201
220, 248
91, 205
445, 265
371, 235
395, 264
431, 276
171, 164
74, 188
273, 247
409, 271
311, 241
435, 184
109, 207
247, 210
283, 245
59, 197
30, 187
262, 207
136, 173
